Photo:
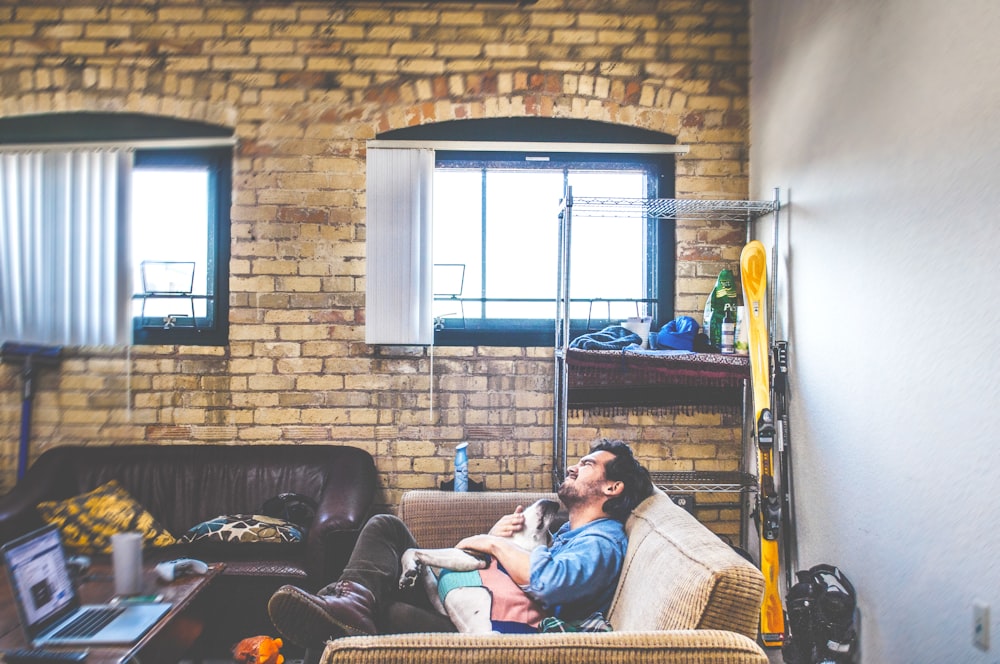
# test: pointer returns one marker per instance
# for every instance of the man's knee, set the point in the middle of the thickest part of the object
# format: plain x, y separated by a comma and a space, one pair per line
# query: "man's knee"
384, 521
387, 528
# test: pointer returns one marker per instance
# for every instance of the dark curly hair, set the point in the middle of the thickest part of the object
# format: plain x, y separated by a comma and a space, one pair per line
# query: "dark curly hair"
625, 469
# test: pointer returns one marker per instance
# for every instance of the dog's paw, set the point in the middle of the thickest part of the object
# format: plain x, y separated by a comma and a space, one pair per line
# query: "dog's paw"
411, 569
409, 578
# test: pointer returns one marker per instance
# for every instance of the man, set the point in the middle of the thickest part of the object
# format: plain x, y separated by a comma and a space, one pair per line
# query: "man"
572, 579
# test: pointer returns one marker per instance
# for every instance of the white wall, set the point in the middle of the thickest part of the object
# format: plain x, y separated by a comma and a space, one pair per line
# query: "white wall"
880, 122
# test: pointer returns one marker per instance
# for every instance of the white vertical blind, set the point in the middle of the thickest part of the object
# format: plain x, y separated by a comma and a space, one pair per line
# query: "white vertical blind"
399, 295
64, 277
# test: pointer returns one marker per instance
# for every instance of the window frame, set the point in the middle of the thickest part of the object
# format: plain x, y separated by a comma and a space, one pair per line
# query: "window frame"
151, 137
660, 239
214, 330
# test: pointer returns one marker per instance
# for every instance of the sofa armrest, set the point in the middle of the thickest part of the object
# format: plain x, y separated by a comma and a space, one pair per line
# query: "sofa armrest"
343, 506
18, 514
442, 518
666, 647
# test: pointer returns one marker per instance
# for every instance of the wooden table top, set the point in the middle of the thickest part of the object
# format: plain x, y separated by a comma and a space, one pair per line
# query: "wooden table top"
168, 639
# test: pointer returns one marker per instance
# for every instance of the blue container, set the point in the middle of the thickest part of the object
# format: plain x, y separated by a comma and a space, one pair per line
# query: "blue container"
462, 467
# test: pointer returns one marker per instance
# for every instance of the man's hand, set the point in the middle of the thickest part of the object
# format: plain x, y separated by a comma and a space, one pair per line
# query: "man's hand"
509, 524
515, 560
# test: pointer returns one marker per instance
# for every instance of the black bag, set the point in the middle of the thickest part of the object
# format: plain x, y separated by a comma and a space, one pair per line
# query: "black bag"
293, 507
821, 613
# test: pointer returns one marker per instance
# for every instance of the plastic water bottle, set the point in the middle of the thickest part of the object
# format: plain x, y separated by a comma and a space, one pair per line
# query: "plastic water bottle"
462, 467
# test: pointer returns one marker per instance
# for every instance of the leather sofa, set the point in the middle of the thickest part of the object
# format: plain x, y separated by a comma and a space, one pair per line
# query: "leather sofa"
684, 596
184, 485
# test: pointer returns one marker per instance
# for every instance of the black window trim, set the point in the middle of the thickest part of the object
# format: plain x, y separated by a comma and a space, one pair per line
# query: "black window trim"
661, 234
212, 331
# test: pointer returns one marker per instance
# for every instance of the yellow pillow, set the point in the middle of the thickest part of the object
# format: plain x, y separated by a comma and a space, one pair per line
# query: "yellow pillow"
88, 521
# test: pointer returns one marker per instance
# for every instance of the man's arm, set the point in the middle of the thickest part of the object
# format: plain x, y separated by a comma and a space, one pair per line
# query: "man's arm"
514, 559
582, 572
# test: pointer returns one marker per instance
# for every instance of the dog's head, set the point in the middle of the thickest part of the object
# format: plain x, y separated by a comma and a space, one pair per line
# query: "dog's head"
538, 518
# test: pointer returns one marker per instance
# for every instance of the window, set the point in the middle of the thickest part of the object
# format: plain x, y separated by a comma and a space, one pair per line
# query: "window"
495, 232
178, 196
180, 246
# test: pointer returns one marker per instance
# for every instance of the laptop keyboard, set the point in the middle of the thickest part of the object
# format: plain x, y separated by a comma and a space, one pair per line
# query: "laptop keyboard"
90, 622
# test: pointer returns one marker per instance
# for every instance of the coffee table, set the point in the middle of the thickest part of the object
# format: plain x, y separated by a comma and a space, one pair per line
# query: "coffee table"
166, 642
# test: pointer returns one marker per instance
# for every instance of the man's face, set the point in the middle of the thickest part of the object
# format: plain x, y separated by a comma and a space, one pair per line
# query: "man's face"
586, 480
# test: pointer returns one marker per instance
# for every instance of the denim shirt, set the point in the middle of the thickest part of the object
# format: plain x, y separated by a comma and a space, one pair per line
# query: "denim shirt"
577, 575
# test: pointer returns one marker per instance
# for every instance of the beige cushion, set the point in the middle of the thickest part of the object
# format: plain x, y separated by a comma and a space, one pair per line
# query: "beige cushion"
679, 575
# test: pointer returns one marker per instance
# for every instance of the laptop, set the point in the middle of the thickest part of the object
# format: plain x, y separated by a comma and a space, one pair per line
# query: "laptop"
49, 604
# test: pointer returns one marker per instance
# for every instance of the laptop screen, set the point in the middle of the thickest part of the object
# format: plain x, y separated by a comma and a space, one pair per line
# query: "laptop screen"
40, 578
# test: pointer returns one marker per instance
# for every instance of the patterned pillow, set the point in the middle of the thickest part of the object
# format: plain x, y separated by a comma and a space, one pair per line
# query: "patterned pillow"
244, 529
88, 521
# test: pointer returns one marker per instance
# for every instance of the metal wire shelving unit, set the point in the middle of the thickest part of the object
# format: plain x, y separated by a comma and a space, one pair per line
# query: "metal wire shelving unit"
739, 211
672, 208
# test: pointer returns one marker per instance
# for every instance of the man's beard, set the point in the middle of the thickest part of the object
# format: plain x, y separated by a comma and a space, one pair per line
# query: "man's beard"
571, 493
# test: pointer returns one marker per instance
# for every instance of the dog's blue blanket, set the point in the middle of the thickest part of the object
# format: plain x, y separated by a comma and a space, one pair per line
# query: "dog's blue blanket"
613, 337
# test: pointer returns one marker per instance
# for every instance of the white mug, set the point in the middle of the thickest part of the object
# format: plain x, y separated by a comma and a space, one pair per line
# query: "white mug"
126, 560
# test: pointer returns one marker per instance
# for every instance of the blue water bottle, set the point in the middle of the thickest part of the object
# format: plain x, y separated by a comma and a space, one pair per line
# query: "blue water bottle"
461, 467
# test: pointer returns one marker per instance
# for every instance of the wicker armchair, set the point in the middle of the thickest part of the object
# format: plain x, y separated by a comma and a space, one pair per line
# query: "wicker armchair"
684, 595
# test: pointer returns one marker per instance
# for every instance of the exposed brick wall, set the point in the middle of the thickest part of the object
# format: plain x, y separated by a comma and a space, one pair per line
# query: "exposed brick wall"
304, 85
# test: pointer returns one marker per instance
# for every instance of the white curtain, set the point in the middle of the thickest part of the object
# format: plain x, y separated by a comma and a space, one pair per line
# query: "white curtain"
64, 247
399, 296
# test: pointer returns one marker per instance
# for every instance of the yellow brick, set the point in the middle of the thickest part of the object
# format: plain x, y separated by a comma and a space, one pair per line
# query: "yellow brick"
271, 46
180, 14
459, 50
82, 47
551, 19
234, 62
431, 465
328, 64
419, 49
421, 66
390, 33
416, 448
376, 64
404, 482
41, 14
506, 50
462, 18
85, 14
418, 17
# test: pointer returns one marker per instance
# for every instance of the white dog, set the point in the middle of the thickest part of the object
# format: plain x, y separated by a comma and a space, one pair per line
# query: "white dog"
469, 607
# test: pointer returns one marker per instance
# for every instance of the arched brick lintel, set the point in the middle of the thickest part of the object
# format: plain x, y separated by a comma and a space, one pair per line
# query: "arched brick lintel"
115, 89
617, 100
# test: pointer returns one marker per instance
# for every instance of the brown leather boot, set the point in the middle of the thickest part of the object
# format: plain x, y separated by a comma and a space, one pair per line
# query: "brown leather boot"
347, 609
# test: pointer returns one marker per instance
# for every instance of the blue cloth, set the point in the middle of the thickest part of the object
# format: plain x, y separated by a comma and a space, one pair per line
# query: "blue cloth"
577, 575
678, 334
613, 337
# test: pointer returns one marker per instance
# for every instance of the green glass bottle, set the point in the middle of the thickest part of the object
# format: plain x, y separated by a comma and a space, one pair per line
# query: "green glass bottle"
722, 296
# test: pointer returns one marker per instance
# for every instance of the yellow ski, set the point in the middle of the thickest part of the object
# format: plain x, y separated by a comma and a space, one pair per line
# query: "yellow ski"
753, 270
